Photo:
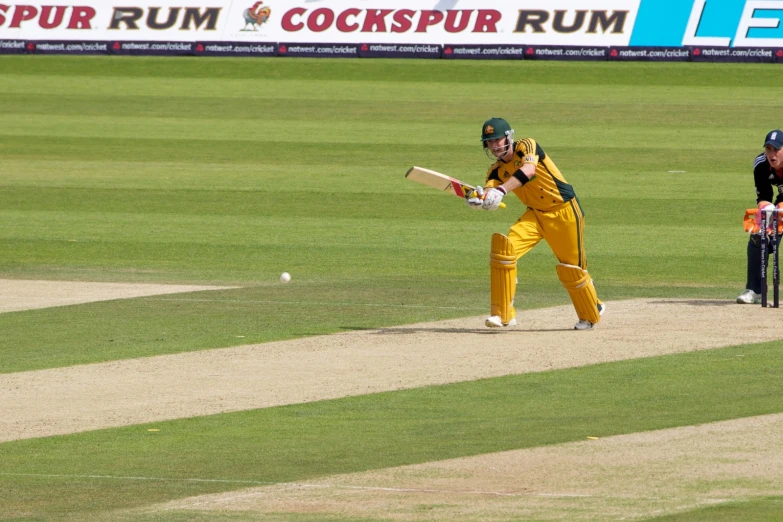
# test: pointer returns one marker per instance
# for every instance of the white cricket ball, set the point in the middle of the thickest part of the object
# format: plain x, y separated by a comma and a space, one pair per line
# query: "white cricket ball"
285, 277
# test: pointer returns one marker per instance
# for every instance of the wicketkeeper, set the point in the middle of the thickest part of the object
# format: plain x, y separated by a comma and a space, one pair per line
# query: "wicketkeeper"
768, 174
553, 214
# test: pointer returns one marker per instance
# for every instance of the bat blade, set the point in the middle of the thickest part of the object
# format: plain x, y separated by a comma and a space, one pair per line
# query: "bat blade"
440, 181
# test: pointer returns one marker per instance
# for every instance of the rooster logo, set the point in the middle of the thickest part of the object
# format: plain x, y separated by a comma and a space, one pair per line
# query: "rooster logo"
256, 16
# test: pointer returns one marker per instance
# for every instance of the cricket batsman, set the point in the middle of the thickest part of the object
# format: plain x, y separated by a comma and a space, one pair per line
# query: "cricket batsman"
553, 214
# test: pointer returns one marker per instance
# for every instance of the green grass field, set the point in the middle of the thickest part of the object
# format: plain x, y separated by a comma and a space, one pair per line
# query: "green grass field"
231, 171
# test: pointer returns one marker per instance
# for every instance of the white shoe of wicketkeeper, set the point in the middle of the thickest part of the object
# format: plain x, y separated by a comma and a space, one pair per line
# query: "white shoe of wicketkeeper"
749, 297
494, 321
587, 325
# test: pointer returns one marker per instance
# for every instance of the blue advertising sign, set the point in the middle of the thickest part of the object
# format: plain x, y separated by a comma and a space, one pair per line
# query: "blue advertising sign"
13, 47
714, 23
484, 52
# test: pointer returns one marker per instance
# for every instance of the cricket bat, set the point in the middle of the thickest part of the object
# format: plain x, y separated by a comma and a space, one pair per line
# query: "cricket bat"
441, 182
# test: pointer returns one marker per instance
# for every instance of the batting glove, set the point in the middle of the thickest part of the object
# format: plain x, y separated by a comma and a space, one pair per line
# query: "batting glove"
493, 197
474, 198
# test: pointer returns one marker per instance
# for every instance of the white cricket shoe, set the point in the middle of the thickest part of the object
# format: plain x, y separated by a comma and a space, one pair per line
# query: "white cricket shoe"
749, 297
587, 325
583, 325
495, 322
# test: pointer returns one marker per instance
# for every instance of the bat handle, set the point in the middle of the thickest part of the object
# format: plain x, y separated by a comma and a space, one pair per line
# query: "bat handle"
502, 205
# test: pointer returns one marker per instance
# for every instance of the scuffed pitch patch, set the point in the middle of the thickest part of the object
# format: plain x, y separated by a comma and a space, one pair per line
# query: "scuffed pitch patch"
52, 402
617, 478
17, 295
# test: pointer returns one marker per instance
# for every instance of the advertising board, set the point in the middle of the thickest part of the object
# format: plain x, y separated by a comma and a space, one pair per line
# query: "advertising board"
451, 29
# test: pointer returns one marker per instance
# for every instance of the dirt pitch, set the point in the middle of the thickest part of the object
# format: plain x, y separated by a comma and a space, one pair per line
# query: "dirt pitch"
594, 479
17, 295
618, 478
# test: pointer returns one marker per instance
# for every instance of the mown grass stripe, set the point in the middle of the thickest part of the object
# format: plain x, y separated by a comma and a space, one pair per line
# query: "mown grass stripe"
300, 442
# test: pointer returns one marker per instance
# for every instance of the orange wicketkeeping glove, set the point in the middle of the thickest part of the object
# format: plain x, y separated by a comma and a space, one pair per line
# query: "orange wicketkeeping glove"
752, 220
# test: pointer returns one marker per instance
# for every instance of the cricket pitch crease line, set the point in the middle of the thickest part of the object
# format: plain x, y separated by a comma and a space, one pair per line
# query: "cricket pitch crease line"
295, 485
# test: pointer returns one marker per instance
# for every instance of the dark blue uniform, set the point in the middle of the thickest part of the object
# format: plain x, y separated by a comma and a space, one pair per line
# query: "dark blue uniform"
766, 181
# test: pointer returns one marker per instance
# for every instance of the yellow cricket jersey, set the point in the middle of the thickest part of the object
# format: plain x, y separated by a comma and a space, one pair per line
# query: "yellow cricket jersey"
547, 190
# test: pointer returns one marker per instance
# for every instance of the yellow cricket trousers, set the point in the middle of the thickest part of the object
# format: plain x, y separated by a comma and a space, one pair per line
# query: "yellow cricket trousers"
562, 228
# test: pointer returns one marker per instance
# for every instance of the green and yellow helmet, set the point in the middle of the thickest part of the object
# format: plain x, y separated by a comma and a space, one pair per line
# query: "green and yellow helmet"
493, 129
